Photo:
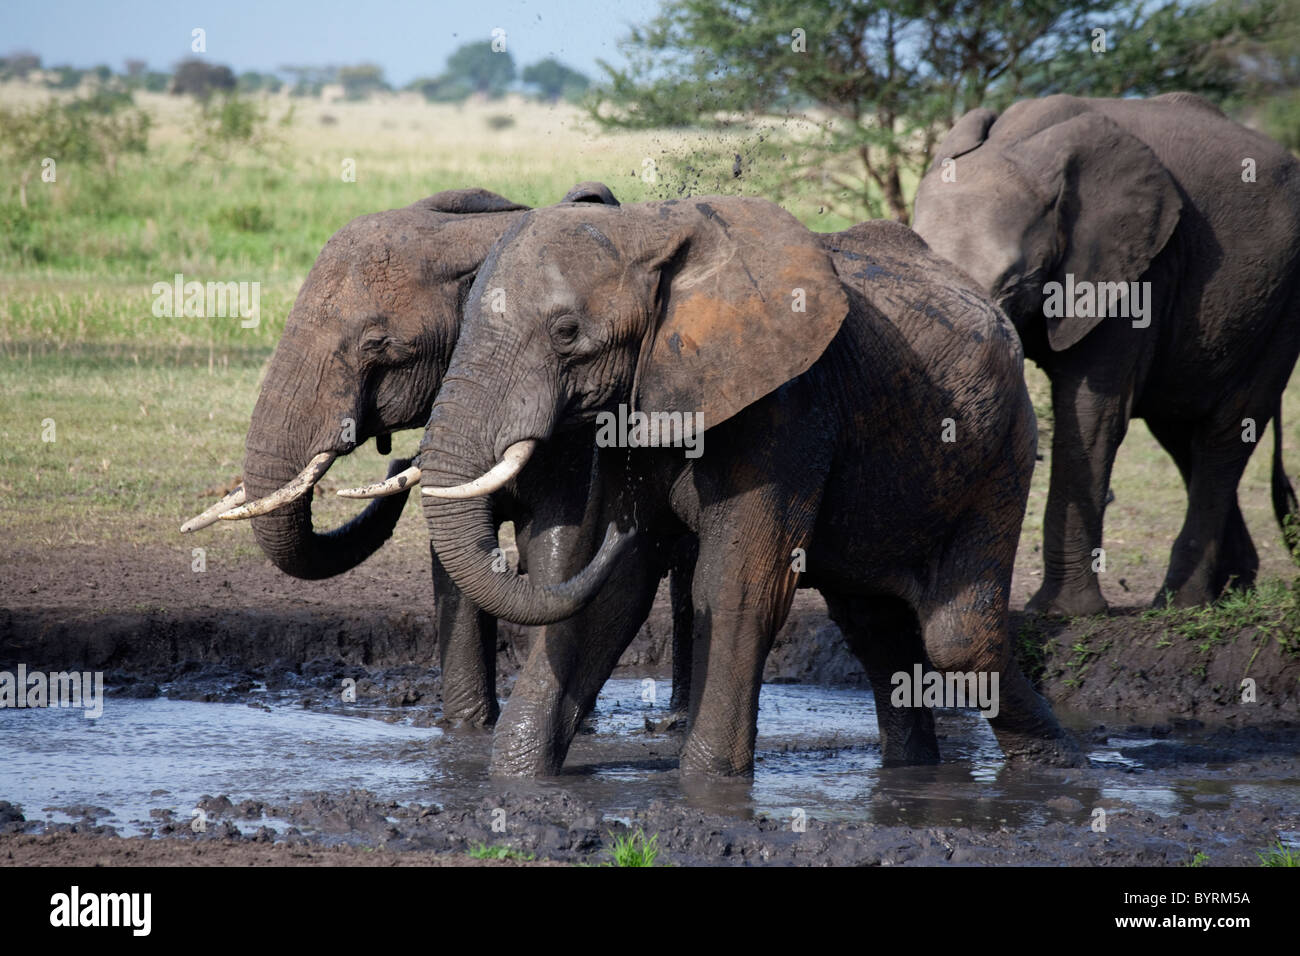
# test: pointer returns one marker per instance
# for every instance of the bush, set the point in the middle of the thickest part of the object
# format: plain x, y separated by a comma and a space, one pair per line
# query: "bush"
1280, 118
93, 131
229, 123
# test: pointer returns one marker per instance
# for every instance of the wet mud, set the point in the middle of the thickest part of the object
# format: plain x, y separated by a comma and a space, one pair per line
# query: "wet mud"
227, 738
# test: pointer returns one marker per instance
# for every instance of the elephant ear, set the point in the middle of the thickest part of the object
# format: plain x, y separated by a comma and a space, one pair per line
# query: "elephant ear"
1117, 204
467, 201
591, 191
747, 300
967, 133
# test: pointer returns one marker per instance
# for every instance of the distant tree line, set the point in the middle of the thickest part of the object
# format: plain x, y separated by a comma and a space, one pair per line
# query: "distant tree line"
473, 69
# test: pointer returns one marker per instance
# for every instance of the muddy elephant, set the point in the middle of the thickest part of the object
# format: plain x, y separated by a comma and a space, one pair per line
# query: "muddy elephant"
362, 355
1148, 252
865, 430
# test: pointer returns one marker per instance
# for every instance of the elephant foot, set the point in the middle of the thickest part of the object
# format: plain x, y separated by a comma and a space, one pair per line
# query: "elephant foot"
1198, 594
708, 766
674, 721
912, 758
468, 720
1056, 601
907, 737
1060, 751
526, 762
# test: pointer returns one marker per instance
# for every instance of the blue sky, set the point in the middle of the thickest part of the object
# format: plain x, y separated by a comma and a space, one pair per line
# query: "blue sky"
408, 38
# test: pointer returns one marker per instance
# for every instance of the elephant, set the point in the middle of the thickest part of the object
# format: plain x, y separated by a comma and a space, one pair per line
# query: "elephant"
1148, 253
362, 355
868, 433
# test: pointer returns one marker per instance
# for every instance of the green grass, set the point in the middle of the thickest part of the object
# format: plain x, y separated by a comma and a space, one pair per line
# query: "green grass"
1278, 855
1084, 653
1031, 647
265, 216
141, 442
635, 849
482, 851
1270, 610
1198, 859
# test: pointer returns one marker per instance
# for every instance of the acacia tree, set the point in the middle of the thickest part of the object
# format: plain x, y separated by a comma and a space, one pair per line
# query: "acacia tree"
360, 81
884, 80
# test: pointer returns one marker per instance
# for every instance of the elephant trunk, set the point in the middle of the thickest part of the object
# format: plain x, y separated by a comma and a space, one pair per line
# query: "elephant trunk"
464, 533
286, 535
283, 438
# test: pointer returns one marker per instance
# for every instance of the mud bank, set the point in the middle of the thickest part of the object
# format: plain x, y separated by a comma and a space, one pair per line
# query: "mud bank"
153, 627
144, 612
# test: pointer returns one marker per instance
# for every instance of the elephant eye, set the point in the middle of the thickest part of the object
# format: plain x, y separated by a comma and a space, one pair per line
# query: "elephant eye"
375, 341
565, 331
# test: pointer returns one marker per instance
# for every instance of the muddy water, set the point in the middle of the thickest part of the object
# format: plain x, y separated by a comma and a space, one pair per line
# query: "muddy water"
148, 761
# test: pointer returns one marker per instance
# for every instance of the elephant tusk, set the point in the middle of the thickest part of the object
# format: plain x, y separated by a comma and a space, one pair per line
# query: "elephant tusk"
400, 482
210, 516
294, 490
511, 463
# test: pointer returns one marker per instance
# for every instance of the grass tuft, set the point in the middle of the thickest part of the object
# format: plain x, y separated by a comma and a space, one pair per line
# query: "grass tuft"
635, 849
482, 851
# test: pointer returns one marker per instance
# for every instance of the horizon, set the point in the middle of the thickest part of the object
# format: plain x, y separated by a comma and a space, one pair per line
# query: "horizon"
411, 41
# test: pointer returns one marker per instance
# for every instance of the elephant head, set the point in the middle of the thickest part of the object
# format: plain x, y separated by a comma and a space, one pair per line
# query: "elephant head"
362, 355
1047, 189
702, 306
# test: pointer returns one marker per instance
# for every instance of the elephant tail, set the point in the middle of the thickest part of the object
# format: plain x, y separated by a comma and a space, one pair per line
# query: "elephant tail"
1285, 505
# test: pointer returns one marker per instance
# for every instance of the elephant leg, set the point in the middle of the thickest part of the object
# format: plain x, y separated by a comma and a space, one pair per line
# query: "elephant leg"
567, 665
1213, 550
967, 635
965, 626
467, 650
742, 591
679, 588
884, 635
1237, 561
1089, 428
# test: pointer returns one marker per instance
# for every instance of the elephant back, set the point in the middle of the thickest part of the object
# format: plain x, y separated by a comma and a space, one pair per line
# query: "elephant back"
938, 308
